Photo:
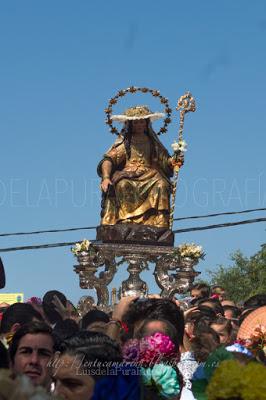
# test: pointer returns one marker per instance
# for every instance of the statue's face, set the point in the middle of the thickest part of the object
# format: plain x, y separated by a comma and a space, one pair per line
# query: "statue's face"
139, 126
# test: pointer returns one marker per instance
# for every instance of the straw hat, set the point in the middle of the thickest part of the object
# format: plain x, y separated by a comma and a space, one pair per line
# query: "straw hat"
255, 318
137, 112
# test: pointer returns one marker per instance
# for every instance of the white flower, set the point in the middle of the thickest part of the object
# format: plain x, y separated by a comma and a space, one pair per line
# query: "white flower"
198, 248
77, 247
175, 146
81, 247
191, 250
85, 244
180, 146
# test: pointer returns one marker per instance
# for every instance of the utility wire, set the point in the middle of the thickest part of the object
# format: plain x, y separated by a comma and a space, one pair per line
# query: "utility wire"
94, 227
226, 225
39, 246
199, 228
217, 214
48, 231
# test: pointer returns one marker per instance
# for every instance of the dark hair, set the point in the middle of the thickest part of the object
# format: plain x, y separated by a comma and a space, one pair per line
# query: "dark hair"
49, 308
3, 357
155, 309
94, 316
199, 313
223, 321
92, 346
215, 305
18, 313
206, 340
32, 328
207, 312
168, 330
235, 310
64, 330
259, 300
127, 141
203, 288
128, 132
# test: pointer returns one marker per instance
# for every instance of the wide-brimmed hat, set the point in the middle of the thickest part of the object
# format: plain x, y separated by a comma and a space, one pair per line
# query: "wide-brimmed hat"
137, 112
254, 319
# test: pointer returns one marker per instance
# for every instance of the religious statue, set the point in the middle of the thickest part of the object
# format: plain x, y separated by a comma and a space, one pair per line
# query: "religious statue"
136, 173
139, 183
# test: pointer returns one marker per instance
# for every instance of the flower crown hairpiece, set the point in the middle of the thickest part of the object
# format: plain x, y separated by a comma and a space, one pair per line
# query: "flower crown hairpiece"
149, 352
139, 111
149, 349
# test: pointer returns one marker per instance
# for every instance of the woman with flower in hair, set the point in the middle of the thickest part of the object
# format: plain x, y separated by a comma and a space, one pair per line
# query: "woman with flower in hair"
136, 173
158, 356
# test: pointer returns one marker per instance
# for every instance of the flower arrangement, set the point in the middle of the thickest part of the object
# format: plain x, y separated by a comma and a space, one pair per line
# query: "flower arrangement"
84, 246
179, 147
177, 160
153, 354
163, 379
149, 349
191, 250
35, 300
156, 346
232, 380
131, 350
256, 341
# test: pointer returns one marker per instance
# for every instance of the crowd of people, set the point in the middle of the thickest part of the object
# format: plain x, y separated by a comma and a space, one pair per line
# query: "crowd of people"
201, 347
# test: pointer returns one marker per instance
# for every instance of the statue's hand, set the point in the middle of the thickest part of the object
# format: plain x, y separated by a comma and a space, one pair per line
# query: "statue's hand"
105, 184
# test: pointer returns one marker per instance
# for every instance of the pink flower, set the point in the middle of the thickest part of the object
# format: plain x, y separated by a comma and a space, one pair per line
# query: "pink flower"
34, 300
131, 350
155, 347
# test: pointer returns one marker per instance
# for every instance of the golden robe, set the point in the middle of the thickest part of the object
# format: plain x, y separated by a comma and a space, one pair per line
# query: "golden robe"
141, 183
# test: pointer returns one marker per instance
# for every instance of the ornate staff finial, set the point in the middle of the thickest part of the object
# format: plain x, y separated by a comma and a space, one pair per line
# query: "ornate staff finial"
185, 104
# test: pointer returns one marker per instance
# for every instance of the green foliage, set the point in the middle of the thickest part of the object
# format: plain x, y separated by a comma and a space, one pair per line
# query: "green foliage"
245, 278
232, 380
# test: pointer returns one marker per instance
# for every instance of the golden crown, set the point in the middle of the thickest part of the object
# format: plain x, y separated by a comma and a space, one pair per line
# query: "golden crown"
138, 111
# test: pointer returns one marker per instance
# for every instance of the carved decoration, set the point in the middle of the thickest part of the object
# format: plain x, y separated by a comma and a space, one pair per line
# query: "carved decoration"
173, 274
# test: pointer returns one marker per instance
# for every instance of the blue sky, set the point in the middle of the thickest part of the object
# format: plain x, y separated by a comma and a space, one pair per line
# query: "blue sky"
60, 62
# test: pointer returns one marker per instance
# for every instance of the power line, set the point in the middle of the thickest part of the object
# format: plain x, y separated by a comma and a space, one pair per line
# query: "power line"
217, 214
39, 246
227, 224
199, 228
48, 231
94, 227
